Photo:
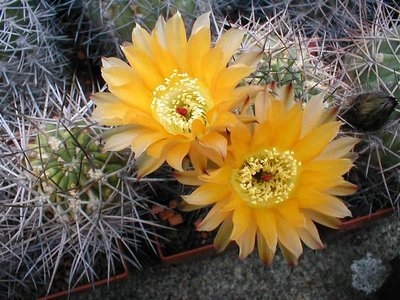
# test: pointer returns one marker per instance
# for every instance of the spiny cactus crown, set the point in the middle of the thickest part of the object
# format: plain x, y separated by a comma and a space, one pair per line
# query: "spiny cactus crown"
71, 171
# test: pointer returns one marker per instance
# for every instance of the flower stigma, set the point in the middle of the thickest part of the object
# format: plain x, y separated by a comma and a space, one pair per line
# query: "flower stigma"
266, 178
179, 101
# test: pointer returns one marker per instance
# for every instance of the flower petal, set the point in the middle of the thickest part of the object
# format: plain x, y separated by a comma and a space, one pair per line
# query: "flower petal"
198, 160
335, 167
206, 194
264, 251
247, 239
215, 141
211, 65
290, 128
119, 138
289, 256
342, 189
175, 35
147, 164
338, 148
267, 226
144, 66
165, 61
316, 141
289, 210
312, 114
188, 178
198, 46
230, 77
241, 219
288, 237
286, 95
309, 235
322, 219
222, 238
213, 219
202, 22
141, 38
320, 181
176, 154
228, 43
322, 203
143, 139
250, 58
110, 110
223, 120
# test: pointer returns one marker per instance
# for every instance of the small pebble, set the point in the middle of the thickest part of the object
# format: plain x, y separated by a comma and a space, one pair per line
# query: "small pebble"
166, 214
175, 220
156, 209
173, 204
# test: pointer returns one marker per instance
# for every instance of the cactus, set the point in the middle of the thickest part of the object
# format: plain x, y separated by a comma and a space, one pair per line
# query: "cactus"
288, 61
64, 198
370, 69
73, 170
387, 149
373, 63
319, 17
290, 57
100, 27
31, 57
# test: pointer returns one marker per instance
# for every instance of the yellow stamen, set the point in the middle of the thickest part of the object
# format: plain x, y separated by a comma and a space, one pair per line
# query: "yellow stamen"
180, 101
266, 178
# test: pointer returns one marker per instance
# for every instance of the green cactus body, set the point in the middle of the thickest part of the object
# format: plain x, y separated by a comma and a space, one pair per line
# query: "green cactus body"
14, 12
148, 11
387, 155
74, 172
375, 63
118, 16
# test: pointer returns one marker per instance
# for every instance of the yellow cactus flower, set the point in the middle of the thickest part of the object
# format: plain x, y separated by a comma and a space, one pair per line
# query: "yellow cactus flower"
174, 97
278, 179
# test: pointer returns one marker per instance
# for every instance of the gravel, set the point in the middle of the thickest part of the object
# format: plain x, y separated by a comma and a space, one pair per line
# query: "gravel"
320, 274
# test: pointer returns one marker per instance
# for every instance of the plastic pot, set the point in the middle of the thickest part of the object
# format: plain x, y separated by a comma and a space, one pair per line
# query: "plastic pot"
366, 220
207, 250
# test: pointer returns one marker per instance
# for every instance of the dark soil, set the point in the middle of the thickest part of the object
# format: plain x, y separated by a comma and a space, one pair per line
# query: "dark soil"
184, 236
372, 194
